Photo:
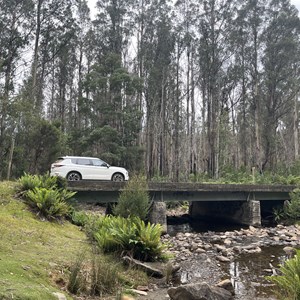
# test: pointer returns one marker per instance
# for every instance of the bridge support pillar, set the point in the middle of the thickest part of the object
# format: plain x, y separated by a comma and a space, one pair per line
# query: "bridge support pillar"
240, 212
158, 214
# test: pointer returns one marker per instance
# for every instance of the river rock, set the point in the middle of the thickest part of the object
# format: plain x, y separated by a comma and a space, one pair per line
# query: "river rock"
227, 285
222, 258
199, 291
220, 248
227, 242
290, 251
200, 251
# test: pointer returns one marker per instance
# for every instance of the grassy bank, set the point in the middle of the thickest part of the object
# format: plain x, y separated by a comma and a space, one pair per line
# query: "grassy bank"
36, 255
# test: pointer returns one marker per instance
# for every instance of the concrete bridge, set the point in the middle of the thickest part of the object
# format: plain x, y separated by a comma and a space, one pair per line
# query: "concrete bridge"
243, 204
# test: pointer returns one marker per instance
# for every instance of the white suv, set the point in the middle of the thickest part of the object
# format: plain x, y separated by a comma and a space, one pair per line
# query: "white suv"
78, 168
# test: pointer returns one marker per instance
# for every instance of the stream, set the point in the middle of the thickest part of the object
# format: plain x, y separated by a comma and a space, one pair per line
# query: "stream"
247, 271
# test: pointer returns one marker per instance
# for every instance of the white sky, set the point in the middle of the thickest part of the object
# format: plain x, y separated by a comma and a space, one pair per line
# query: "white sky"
295, 2
92, 4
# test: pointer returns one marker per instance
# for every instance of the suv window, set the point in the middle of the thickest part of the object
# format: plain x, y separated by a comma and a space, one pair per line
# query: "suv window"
97, 162
83, 161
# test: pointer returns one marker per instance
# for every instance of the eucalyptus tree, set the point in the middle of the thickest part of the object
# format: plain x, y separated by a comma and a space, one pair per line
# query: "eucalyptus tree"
280, 81
16, 23
187, 13
155, 57
214, 28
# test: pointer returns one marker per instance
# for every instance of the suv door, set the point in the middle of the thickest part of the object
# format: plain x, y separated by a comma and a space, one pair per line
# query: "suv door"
85, 167
101, 170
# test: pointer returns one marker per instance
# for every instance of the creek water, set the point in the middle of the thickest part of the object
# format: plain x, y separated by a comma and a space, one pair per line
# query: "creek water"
247, 272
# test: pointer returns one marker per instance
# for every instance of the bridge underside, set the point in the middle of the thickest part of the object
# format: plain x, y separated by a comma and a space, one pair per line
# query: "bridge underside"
234, 203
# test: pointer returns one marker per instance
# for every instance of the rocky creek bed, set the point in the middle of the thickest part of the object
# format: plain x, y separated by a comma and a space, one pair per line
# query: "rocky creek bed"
244, 257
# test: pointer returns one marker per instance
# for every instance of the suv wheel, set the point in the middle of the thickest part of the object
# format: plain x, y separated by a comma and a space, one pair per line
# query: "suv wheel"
73, 176
117, 177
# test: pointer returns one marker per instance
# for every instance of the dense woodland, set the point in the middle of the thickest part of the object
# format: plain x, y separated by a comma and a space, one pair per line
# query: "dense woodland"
169, 88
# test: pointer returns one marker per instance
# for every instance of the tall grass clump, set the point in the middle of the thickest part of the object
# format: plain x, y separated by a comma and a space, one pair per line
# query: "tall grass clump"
130, 236
288, 283
134, 199
95, 277
105, 277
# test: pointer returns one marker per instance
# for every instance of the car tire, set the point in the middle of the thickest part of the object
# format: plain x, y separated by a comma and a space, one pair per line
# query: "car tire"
118, 177
73, 176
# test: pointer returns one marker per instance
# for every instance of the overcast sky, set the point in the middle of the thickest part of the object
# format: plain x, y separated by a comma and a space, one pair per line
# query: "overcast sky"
93, 2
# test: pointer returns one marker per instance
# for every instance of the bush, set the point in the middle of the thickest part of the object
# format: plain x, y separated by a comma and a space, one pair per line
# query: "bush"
289, 282
80, 218
49, 203
292, 209
131, 236
46, 195
29, 182
134, 199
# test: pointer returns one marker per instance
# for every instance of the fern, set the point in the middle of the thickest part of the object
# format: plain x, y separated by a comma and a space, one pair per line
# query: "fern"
288, 282
130, 236
48, 202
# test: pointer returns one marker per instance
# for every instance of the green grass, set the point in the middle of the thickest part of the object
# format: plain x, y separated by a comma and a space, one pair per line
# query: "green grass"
37, 256
33, 254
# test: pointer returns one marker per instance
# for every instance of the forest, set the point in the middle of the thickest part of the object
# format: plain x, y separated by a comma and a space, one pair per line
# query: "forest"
172, 89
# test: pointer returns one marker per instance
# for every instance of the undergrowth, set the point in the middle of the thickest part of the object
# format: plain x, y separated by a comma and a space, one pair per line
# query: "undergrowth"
288, 282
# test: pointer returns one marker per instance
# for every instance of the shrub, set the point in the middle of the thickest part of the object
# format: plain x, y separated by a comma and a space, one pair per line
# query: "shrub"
131, 236
80, 218
46, 194
29, 182
134, 199
49, 202
292, 209
288, 282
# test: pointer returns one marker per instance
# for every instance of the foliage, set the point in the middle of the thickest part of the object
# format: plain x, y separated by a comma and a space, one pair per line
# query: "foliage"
130, 236
29, 182
291, 209
46, 195
288, 283
79, 218
134, 199
50, 203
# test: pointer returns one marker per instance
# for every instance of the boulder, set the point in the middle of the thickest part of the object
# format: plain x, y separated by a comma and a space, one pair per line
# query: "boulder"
199, 291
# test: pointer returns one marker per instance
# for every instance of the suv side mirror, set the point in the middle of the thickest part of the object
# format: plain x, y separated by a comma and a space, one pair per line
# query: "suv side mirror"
105, 165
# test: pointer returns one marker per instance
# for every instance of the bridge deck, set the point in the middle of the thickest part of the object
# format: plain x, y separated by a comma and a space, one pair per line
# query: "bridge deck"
108, 191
